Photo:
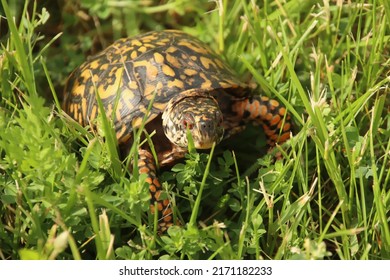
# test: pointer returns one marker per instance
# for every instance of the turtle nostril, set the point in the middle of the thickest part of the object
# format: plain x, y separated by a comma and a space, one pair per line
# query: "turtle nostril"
205, 125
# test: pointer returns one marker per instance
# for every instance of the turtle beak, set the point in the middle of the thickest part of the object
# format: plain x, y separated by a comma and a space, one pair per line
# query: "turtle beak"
209, 132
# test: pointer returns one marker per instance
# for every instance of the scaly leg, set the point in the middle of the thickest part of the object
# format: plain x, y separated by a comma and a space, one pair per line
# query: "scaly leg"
270, 114
147, 166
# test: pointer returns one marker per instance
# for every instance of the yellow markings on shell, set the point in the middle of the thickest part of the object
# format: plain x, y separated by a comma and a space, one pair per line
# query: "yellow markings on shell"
120, 55
95, 78
175, 83
94, 64
85, 74
120, 133
125, 49
151, 71
146, 40
201, 50
207, 83
79, 90
206, 62
127, 94
122, 136
73, 108
133, 55
149, 89
149, 38
142, 49
161, 43
84, 108
109, 110
136, 42
193, 57
117, 51
121, 41
165, 40
190, 72
113, 87
219, 63
159, 86
149, 46
224, 84
91, 90
158, 57
171, 49
168, 70
79, 117
160, 106
93, 113
136, 122
103, 67
118, 111
133, 85
173, 61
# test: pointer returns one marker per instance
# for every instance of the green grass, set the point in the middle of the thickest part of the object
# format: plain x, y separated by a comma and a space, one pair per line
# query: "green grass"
65, 193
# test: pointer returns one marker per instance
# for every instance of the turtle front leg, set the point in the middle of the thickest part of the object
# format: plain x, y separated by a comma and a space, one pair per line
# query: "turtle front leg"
147, 166
270, 114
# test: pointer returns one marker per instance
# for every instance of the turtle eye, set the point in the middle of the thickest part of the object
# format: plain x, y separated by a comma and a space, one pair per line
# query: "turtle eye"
188, 121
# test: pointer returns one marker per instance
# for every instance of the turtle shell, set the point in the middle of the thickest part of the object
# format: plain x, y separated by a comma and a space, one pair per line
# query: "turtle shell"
132, 71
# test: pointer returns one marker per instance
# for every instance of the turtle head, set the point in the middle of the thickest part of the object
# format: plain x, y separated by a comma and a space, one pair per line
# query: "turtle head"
199, 113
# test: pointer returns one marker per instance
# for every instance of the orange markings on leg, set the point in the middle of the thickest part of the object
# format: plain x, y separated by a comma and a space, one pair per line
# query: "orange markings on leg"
167, 211
263, 110
269, 132
282, 111
239, 108
156, 182
144, 170
157, 195
287, 127
152, 188
269, 116
264, 98
284, 137
273, 137
167, 219
254, 109
149, 180
274, 104
275, 120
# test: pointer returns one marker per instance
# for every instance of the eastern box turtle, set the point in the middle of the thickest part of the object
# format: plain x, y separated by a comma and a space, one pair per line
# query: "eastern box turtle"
193, 88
